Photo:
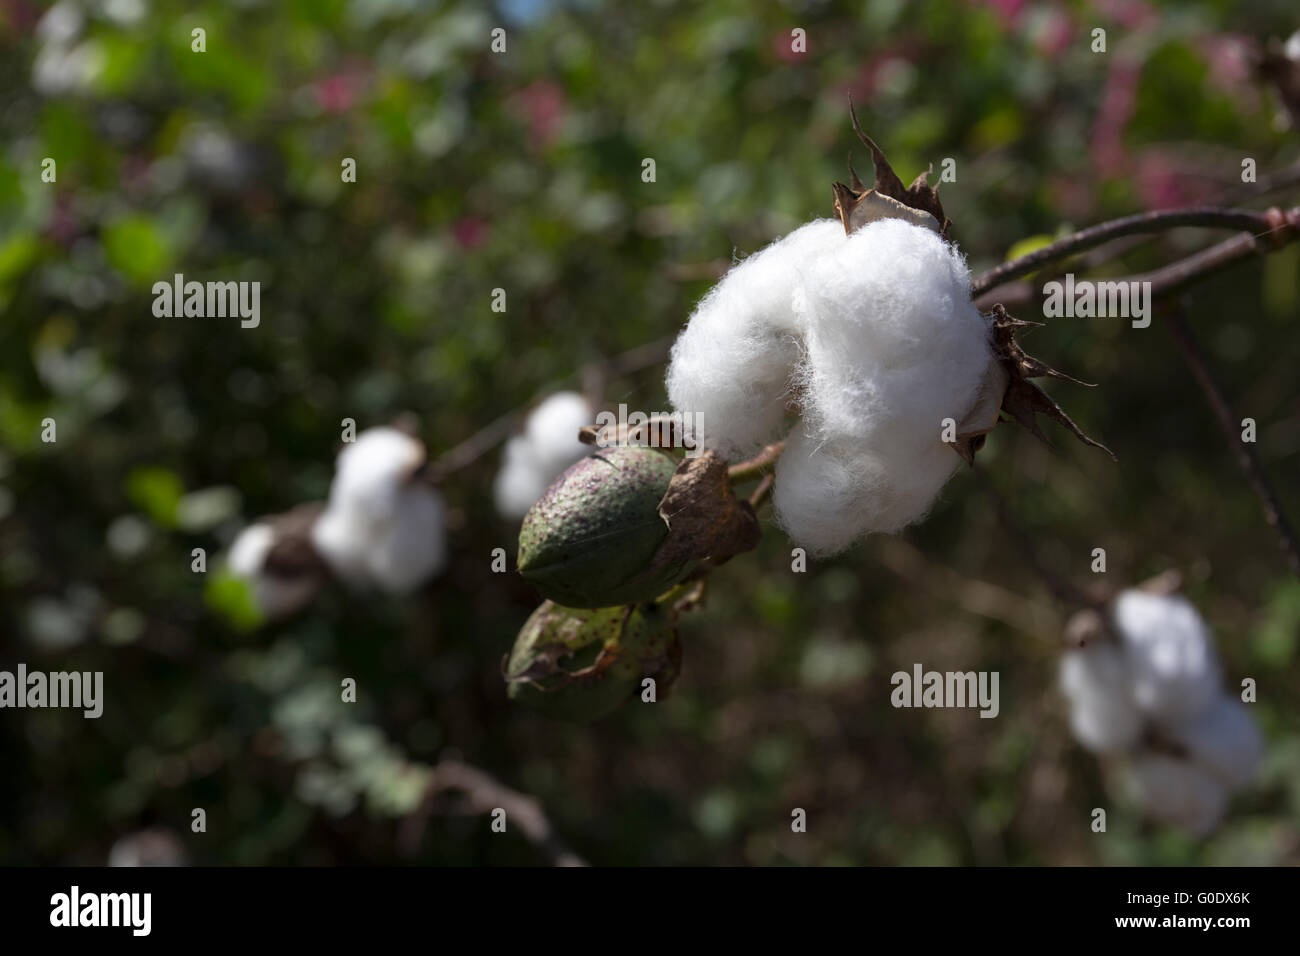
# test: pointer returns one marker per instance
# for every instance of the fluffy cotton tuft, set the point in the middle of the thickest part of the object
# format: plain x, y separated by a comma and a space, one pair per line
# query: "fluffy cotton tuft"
275, 596
1223, 740
1177, 791
733, 362
1163, 675
874, 337
1175, 670
382, 528
549, 444
1103, 716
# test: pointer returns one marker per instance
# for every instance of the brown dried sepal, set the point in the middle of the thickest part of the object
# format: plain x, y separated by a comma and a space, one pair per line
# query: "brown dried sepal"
1023, 400
706, 521
856, 205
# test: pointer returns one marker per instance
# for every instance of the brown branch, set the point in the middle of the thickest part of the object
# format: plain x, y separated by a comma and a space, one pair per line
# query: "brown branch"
756, 466
1283, 229
493, 434
483, 794
1231, 426
1145, 222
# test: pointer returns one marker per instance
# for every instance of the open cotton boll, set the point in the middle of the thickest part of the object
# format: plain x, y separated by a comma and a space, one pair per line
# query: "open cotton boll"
552, 430
395, 553
1103, 716
1177, 791
894, 347
733, 361
411, 548
894, 343
1171, 654
549, 444
521, 480
274, 595
370, 471
1224, 740
342, 537
821, 493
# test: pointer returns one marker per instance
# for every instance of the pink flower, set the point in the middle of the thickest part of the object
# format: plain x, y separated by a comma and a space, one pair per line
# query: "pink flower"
1107, 140
542, 105
783, 47
471, 232
1008, 11
1054, 33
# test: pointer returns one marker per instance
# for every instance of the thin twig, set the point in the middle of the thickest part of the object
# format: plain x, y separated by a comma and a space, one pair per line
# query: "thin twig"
1145, 222
1063, 590
762, 492
484, 794
1284, 228
1231, 426
756, 466
493, 434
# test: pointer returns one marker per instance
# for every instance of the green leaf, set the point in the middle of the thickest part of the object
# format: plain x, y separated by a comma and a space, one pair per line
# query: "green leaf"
157, 492
135, 247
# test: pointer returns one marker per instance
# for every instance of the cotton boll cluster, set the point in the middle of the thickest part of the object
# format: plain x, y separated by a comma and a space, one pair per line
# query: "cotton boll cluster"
536, 457
382, 528
875, 338
276, 594
1162, 685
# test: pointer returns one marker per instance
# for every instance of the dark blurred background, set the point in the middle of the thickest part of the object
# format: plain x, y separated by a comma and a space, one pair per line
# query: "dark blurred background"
522, 170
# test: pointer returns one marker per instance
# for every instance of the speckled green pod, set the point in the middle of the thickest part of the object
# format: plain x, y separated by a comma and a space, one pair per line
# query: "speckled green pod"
581, 664
588, 542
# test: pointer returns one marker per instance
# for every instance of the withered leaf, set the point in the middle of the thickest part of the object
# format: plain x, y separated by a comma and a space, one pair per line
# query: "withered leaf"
920, 196
706, 521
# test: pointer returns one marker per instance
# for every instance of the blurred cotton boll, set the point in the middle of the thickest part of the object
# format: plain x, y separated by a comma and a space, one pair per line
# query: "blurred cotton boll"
1225, 741
548, 445
275, 593
1178, 792
1103, 716
734, 360
383, 527
1170, 652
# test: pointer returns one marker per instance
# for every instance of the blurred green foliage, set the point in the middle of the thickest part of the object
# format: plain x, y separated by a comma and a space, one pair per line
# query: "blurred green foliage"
522, 171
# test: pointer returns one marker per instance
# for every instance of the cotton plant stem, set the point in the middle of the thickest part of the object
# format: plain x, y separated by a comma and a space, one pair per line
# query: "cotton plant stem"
1231, 425
1283, 229
493, 434
482, 795
756, 466
1212, 217
1063, 590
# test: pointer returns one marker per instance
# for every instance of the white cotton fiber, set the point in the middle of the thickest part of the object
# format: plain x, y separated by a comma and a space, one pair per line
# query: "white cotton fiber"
1103, 716
1177, 791
874, 337
370, 471
732, 363
274, 595
413, 548
1170, 652
893, 347
1224, 740
382, 528
549, 444
820, 492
